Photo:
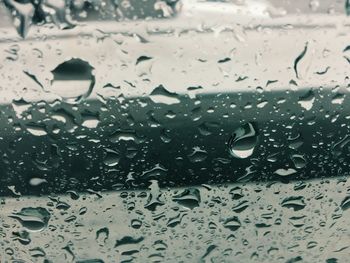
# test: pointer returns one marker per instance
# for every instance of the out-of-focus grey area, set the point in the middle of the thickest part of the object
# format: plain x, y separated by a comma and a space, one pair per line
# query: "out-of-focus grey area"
174, 131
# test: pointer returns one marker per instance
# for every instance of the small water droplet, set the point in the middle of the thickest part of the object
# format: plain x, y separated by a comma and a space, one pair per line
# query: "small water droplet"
295, 142
241, 206
142, 58
236, 193
198, 155
307, 101
189, 198
22, 236
298, 160
345, 204
338, 99
102, 234
37, 181
136, 223
232, 223
124, 135
37, 252
161, 95
285, 172
176, 220
338, 147
36, 129
111, 157
154, 196
294, 202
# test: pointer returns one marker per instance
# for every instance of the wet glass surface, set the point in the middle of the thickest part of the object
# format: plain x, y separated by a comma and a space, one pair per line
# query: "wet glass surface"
174, 131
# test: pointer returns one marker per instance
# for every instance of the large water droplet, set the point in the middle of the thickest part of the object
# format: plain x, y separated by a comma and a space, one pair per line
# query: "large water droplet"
243, 141
33, 219
73, 80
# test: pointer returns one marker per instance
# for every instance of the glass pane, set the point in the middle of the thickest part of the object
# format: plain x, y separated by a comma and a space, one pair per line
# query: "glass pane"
174, 131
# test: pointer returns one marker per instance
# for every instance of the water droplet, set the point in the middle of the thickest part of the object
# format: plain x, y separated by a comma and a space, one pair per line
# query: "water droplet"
311, 244
347, 10
241, 206
36, 129
33, 219
207, 253
294, 202
307, 101
37, 252
161, 95
126, 240
345, 204
176, 220
102, 234
297, 221
298, 160
243, 141
22, 236
124, 135
154, 196
9, 251
232, 223
136, 223
73, 80
339, 146
285, 172
338, 99
111, 157
142, 58
314, 5
90, 122
37, 181
62, 205
58, 11
23, 15
262, 104
295, 142
236, 193
189, 198
198, 155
